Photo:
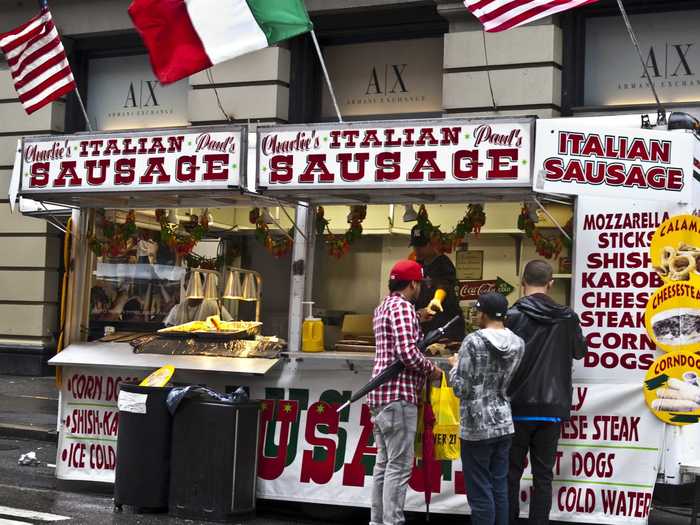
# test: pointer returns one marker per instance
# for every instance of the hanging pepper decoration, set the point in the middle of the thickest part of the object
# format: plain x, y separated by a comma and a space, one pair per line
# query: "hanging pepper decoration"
339, 245
115, 237
183, 240
546, 246
473, 220
278, 247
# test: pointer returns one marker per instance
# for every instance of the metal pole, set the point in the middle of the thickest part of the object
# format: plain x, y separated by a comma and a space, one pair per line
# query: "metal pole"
551, 218
325, 74
82, 107
488, 73
661, 110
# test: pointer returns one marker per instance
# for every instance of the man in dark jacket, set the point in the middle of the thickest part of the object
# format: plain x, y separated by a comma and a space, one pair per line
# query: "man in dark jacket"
541, 390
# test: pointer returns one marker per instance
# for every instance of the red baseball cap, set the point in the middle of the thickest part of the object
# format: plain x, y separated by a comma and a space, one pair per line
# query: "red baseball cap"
406, 271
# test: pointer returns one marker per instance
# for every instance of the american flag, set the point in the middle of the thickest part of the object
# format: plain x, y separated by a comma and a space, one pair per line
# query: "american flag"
38, 62
499, 15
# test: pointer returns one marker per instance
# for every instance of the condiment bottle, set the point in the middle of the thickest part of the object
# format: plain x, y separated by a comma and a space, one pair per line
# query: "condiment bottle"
312, 332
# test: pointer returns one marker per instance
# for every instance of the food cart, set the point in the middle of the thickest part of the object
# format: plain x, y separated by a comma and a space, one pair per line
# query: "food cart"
528, 177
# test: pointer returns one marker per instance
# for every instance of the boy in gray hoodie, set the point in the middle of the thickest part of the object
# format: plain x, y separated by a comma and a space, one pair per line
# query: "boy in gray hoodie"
480, 376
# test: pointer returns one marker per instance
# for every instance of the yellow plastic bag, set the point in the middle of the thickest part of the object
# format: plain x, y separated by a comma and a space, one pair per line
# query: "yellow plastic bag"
446, 428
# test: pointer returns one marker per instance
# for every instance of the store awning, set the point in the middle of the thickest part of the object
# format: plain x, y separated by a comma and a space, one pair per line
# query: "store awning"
405, 196
219, 198
440, 160
173, 168
121, 356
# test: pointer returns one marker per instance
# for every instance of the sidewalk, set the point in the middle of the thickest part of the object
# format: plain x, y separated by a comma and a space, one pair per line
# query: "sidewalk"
28, 407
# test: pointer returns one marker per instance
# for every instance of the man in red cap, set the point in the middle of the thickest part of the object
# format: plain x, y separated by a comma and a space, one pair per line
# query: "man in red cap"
394, 404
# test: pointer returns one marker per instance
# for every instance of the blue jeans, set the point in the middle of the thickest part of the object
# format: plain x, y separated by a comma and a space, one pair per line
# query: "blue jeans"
485, 465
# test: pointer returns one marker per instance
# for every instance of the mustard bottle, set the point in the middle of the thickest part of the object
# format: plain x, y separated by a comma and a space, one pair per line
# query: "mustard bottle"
312, 332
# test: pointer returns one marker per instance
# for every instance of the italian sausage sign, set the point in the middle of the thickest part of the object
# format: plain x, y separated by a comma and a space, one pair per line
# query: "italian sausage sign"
449, 153
574, 158
178, 159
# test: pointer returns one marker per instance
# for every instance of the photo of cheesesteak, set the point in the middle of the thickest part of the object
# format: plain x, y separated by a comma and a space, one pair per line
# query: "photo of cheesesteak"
676, 327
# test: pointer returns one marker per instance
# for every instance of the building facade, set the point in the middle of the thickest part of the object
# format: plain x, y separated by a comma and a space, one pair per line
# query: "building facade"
387, 59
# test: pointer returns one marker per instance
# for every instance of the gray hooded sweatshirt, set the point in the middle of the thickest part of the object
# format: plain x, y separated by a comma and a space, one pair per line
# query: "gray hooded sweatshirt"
488, 360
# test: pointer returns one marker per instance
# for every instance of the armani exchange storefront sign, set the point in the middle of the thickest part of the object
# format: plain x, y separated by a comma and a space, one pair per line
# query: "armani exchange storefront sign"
182, 160
386, 78
444, 153
671, 49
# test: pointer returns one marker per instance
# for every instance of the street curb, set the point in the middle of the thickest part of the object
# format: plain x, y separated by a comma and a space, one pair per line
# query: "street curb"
27, 432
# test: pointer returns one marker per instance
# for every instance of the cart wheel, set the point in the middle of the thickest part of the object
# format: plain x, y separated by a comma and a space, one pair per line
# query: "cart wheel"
118, 508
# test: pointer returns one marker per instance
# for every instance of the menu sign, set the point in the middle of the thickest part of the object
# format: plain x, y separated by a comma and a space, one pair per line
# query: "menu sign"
87, 445
613, 282
393, 155
574, 158
176, 160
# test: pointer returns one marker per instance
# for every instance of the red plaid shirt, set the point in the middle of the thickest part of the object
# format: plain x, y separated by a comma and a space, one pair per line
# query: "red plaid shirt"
397, 330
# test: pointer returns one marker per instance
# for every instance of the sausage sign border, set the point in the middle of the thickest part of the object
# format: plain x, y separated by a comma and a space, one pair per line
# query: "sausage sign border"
178, 159
575, 158
446, 153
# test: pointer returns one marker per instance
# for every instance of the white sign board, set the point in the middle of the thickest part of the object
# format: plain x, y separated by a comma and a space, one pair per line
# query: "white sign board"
396, 155
605, 466
613, 280
191, 159
670, 45
89, 421
576, 158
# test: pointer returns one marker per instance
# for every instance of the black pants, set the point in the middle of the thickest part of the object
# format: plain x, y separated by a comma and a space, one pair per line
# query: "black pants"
540, 439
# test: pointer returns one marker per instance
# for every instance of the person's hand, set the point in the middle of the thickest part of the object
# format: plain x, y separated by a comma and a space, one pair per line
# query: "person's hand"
425, 315
435, 306
436, 374
453, 360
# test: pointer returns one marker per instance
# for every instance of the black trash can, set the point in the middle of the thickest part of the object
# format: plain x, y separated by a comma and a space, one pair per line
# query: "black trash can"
214, 459
143, 448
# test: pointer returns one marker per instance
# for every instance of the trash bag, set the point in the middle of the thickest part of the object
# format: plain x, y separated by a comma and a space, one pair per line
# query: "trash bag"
176, 396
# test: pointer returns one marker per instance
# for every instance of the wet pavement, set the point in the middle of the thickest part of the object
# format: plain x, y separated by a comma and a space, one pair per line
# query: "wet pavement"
36, 489
28, 406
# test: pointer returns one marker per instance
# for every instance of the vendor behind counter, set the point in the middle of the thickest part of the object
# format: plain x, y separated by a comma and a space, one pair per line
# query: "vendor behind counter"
441, 277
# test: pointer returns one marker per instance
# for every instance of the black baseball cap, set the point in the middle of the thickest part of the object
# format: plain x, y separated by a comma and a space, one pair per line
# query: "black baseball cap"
419, 237
493, 304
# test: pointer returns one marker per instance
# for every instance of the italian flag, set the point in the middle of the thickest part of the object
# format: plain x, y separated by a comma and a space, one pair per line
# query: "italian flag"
184, 37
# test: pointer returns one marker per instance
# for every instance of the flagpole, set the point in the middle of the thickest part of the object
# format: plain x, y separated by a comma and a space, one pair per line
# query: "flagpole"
325, 74
82, 107
488, 73
660, 109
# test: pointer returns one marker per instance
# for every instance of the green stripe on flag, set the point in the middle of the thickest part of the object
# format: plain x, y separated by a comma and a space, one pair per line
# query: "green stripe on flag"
280, 19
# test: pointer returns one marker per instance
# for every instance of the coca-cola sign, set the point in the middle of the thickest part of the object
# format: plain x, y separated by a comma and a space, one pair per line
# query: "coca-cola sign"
440, 154
471, 290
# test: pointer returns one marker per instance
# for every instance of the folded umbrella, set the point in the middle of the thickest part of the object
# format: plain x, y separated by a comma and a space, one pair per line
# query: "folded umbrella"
428, 459
395, 368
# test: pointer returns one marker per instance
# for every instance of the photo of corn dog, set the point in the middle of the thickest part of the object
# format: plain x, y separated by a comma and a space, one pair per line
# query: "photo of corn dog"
674, 405
677, 396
